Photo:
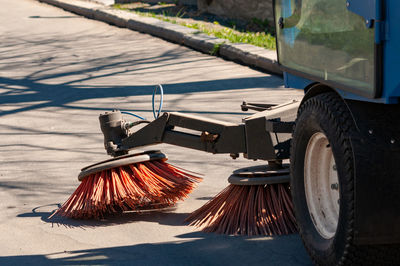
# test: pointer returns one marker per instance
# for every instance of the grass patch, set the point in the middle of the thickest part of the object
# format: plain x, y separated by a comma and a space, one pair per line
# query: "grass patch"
260, 39
216, 48
179, 16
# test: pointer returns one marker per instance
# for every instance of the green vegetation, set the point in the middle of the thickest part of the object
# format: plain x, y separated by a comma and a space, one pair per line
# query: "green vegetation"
261, 39
216, 48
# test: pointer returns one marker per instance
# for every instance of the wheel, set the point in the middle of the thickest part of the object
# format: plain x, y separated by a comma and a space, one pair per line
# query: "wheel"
322, 185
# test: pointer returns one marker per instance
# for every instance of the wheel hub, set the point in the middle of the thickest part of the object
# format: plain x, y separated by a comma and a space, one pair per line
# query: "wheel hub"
321, 184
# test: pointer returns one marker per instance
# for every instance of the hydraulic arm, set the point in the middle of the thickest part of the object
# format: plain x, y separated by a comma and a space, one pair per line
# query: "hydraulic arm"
264, 135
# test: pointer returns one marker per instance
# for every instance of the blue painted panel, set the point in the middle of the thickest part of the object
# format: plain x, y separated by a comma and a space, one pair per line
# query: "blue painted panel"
391, 59
351, 96
371, 11
368, 9
292, 81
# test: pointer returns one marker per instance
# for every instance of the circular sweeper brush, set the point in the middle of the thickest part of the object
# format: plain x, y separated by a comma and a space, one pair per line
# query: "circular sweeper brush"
128, 183
257, 202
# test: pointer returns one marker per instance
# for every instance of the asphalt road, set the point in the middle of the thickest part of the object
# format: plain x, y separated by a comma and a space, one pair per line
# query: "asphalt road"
58, 71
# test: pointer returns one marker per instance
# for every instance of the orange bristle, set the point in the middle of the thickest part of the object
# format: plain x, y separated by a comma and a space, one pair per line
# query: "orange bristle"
248, 210
151, 184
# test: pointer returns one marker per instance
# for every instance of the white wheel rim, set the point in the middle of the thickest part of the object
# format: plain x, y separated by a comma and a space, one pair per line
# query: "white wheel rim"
321, 184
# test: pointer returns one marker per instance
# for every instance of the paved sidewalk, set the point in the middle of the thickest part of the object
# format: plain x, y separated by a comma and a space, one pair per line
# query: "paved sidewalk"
246, 54
58, 71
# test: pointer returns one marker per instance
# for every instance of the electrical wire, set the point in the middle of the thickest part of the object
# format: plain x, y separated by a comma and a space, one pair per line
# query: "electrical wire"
157, 113
132, 114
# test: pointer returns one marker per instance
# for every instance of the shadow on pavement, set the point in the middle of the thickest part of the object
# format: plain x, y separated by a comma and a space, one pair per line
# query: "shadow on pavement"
39, 95
195, 248
61, 72
54, 17
164, 216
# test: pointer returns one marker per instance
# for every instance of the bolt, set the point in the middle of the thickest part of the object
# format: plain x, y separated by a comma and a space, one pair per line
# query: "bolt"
281, 23
367, 21
234, 155
392, 141
334, 167
370, 131
347, 4
335, 186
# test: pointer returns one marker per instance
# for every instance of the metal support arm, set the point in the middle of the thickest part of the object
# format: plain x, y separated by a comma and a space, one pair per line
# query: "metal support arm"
256, 138
205, 134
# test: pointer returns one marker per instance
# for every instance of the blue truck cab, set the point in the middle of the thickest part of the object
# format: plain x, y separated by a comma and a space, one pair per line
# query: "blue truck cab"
352, 46
344, 54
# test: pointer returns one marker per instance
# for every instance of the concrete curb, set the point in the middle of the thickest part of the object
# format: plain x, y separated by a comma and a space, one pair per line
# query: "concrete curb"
243, 53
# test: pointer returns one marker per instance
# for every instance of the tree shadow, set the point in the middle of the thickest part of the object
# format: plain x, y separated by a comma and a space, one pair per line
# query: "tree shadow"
62, 80
164, 216
54, 17
39, 95
195, 248
185, 11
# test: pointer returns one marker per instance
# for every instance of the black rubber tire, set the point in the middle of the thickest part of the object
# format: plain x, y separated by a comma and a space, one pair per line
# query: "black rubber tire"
327, 113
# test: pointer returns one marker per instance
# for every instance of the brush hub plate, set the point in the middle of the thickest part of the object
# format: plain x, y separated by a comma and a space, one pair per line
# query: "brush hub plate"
260, 175
138, 157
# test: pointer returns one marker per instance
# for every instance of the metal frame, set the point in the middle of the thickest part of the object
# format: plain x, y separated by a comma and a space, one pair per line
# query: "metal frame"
255, 138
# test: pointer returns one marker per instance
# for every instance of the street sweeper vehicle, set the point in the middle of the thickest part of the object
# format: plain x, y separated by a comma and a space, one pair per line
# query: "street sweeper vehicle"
341, 190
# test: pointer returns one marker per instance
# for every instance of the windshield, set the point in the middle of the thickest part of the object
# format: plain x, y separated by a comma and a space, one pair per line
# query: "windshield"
322, 38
